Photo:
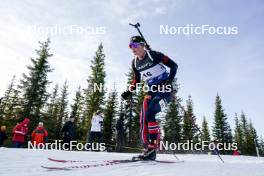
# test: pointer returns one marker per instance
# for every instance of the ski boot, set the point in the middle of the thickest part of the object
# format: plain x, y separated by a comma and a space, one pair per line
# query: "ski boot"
149, 153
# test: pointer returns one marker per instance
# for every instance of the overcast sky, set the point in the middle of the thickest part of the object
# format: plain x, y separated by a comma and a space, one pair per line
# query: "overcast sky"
230, 65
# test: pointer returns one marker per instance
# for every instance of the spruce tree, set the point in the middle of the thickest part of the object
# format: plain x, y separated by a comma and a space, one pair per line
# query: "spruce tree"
205, 131
63, 107
137, 103
76, 112
128, 108
51, 117
94, 93
238, 137
34, 85
132, 113
109, 116
172, 122
221, 129
6, 98
53, 101
189, 122
252, 140
10, 106
122, 112
172, 125
245, 132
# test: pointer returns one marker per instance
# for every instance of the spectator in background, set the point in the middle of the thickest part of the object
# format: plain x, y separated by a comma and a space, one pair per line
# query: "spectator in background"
236, 153
96, 128
3, 136
19, 133
39, 135
68, 132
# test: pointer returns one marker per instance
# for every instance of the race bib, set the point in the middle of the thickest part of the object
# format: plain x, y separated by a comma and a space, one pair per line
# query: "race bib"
153, 72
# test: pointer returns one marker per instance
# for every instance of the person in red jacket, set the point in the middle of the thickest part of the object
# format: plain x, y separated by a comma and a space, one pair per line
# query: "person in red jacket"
19, 133
236, 153
39, 135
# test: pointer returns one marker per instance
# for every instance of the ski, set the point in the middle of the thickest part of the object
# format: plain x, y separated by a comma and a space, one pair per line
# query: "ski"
69, 161
84, 161
109, 161
104, 163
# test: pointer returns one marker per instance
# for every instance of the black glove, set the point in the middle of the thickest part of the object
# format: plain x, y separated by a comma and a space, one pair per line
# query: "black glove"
126, 94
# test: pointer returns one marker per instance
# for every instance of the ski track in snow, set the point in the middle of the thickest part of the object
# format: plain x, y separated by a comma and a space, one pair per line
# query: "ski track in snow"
24, 162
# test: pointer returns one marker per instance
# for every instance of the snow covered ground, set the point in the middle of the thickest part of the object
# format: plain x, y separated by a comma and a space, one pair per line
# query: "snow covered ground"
24, 162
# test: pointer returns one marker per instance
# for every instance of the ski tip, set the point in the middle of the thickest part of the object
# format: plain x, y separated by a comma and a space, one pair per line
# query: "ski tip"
61, 161
162, 161
54, 168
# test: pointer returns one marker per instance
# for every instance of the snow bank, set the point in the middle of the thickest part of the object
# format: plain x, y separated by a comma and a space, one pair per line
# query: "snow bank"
24, 162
